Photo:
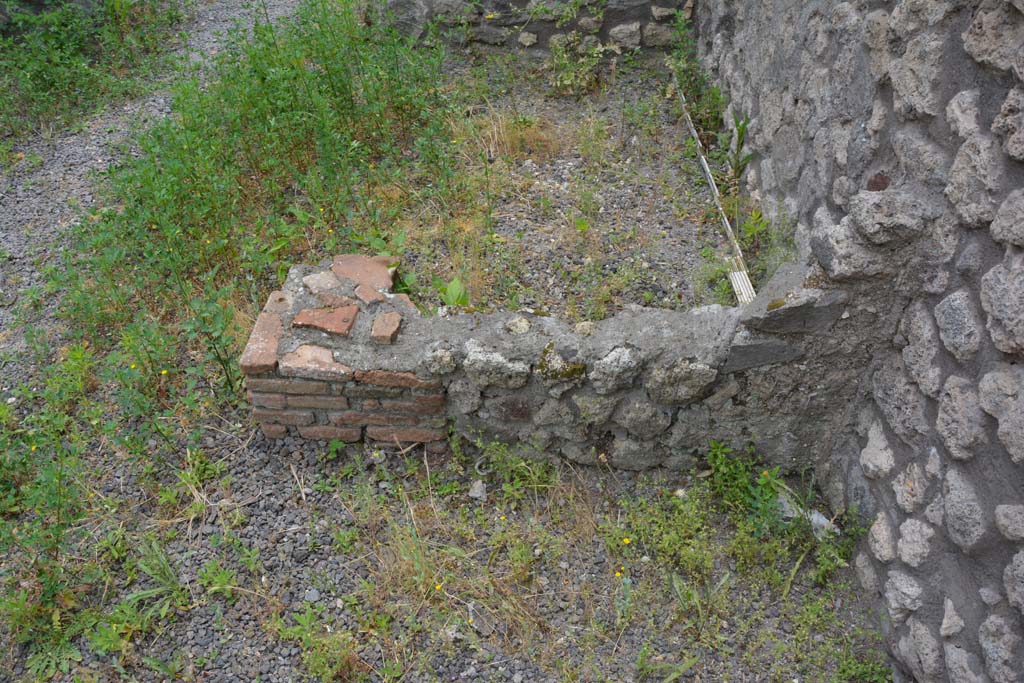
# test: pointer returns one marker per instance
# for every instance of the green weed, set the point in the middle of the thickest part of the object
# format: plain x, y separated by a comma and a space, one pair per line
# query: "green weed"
59, 63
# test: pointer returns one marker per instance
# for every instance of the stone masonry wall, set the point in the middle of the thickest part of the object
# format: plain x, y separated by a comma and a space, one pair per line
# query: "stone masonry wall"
532, 24
336, 355
893, 133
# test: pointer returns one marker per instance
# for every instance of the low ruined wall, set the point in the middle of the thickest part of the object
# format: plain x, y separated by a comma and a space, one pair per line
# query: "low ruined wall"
531, 24
893, 134
336, 355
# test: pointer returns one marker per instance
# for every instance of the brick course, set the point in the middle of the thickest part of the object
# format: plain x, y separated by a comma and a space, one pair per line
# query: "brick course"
296, 385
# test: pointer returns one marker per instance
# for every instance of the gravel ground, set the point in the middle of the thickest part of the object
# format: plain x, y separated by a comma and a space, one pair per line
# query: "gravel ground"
593, 202
44, 194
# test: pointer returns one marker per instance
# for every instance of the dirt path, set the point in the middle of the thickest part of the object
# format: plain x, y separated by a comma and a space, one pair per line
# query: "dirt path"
43, 194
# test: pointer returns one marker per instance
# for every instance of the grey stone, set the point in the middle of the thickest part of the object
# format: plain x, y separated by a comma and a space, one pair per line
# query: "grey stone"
876, 458
876, 37
881, 540
866, 573
963, 666
1009, 124
439, 361
477, 490
409, 16
915, 542
589, 24
969, 260
679, 382
892, 216
921, 652
577, 454
784, 306
911, 16
840, 250
751, 351
1013, 581
489, 34
527, 39
1002, 396
628, 454
489, 368
933, 467
996, 37
593, 409
662, 13
616, 370
911, 488
952, 623
626, 35
974, 180
1003, 648
691, 430
915, 77
1010, 521
922, 350
961, 421
959, 324
900, 401
920, 157
641, 418
966, 521
1008, 225
463, 396
1002, 297
990, 595
902, 595
962, 113
658, 35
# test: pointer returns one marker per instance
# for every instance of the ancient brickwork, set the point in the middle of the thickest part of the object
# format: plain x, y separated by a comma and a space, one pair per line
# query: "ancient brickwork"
892, 133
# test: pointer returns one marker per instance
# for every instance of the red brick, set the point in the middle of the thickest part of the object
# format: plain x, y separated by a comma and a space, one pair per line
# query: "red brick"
278, 302
283, 417
370, 404
368, 295
421, 405
260, 353
286, 386
267, 400
404, 434
337, 321
274, 431
385, 327
314, 362
375, 271
322, 402
384, 378
354, 417
326, 432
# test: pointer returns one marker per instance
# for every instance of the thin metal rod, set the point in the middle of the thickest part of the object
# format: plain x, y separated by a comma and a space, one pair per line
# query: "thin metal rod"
738, 276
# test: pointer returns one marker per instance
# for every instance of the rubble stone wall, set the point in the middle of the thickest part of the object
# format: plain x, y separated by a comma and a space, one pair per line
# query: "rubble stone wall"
532, 24
893, 133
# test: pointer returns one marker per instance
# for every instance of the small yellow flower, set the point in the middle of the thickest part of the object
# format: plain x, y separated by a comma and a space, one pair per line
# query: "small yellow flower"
330, 231
626, 541
33, 446
618, 574
163, 372
437, 587
132, 366
471, 620
502, 518
321, 209
207, 241
489, 15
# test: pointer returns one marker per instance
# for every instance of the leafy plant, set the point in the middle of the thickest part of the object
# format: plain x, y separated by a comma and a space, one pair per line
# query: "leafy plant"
218, 579
572, 65
736, 158
453, 293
